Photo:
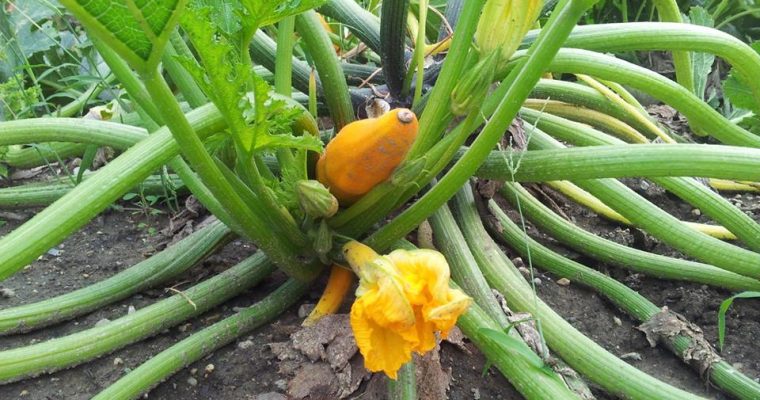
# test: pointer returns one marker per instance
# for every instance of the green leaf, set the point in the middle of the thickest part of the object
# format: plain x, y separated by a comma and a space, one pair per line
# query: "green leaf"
739, 93
724, 308
136, 29
513, 346
268, 12
701, 62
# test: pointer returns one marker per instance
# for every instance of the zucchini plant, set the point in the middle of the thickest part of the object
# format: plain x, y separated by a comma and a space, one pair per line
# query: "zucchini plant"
258, 108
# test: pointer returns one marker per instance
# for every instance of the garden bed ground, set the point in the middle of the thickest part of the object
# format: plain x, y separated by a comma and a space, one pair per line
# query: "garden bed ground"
248, 368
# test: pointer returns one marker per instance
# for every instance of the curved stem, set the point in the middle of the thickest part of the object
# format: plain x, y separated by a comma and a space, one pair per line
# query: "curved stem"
628, 300
641, 36
76, 348
669, 12
623, 256
583, 354
156, 269
330, 73
200, 344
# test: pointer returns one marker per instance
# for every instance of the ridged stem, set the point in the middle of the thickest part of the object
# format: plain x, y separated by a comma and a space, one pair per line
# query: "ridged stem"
327, 65
584, 355
157, 269
67, 351
607, 251
626, 299
202, 343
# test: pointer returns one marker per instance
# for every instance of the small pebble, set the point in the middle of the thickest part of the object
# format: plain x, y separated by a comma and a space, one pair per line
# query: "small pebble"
24, 393
245, 344
738, 365
192, 381
209, 369
563, 282
193, 371
117, 361
305, 310
633, 356
6, 293
537, 281
102, 322
617, 321
281, 384
524, 271
696, 212
131, 309
475, 393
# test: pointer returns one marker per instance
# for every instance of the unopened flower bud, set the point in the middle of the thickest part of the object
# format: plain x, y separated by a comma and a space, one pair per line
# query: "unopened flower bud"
470, 93
315, 199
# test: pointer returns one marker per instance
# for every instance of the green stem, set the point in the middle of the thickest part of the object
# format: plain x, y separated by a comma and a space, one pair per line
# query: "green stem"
690, 190
525, 77
175, 49
583, 354
614, 253
626, 299
419, 52
613, 69
361, 22
53, 224
78, 105
200, 344
157, 269
44, 194
405, 388
669, 12
67, 351
330, 73
616, 161
437, 115
392, 45
643, 36
283, 253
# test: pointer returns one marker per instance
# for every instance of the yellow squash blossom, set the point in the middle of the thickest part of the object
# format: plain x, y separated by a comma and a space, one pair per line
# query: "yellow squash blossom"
402, 300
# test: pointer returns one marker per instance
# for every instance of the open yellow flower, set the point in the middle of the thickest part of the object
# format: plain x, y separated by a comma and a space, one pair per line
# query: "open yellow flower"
402, 300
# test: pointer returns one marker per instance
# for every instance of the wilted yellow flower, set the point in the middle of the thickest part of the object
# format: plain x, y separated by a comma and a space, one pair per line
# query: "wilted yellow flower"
403, 299
504, 23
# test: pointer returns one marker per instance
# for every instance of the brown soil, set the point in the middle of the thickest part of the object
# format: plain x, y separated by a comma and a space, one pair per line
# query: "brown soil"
116, 240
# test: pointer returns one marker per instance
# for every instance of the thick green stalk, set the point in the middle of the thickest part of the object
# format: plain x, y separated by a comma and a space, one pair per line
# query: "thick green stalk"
584, 96
67, 351
44, 194
405, 387
53, 224
642, 36
77, 130
581, 353
660, 224
615, 161
361, 22
690, 190
175, 49
625, 298
392, 46
437, 114
669, 12
283, 253
202, 343
607, 251
525, 77
330, 73
41, 154
671, 93
283, 70
464, 271
157, 269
